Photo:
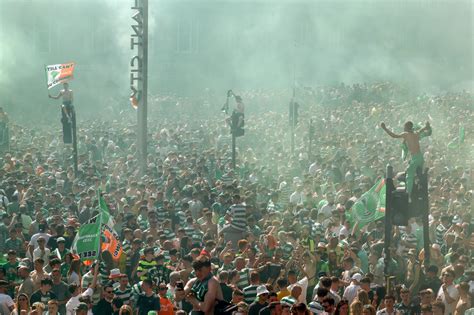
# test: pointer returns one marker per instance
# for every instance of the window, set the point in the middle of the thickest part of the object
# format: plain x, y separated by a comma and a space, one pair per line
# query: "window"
43, 37
187, 40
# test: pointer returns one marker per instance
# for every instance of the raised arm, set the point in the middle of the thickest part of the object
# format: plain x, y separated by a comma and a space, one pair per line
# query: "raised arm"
427, 127
56, 97
390, 133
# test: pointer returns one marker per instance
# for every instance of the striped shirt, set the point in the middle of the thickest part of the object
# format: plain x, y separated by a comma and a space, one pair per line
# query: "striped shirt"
239, 217
318, 229
197, 237
142, 222
288, 300
250, 293
243, 278
103, 273
440, 230
285, 192
169, 234
181, 218
137, 291
125, 295
188, 230
127, 247
274, 207
227, 179
161, 215
145, 265
412, 240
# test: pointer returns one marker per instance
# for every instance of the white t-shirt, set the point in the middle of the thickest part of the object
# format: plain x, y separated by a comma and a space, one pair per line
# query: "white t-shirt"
350, 292
73, 302
453, 293
297, 198
303, 283
326, 211
313, 168
44, 255
6, 300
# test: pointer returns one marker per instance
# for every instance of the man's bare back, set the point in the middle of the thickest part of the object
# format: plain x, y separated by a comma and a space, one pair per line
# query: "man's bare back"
413, 142
411, 138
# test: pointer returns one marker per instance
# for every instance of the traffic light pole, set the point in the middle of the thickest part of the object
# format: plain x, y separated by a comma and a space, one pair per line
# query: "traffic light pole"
292, 129
292, 112
389, 188
311, 131
425, 217
233, 149
74, 142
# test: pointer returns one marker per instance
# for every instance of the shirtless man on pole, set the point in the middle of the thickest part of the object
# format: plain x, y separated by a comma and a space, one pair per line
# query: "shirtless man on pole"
67, 97
412, 139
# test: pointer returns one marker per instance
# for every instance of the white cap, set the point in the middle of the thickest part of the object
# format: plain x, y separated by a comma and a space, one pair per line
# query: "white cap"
262, 290
356, 276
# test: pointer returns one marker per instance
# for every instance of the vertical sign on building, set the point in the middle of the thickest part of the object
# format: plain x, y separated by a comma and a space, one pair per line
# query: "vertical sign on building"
139, 75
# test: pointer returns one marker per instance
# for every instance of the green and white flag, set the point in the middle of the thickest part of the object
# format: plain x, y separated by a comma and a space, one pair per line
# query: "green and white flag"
104, 210
110, 239
370, 206
87, 241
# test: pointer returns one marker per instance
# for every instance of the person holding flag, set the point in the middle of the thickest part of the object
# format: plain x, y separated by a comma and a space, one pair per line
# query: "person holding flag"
67, 111
412, 139
67, 95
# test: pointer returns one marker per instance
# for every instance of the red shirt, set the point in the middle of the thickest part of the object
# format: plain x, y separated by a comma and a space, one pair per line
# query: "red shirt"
166, 307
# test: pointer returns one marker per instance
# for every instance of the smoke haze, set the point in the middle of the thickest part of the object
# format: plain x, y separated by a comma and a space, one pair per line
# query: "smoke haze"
214, 44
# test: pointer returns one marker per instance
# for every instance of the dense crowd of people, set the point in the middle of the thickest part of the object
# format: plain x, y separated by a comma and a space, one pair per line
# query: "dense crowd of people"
272, 236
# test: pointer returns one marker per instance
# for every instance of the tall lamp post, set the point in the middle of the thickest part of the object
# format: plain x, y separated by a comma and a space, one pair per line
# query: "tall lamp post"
139, 76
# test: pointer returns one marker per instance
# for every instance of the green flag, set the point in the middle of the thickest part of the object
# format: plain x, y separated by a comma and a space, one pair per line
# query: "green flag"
370, 206
461, 134
104, 210
111, 242
87, 241
457, 141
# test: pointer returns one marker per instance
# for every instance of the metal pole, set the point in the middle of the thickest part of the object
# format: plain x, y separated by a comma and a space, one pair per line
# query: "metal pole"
310, 149
233, 149
425, 218
74, 142
143, 104
292, 129
389, 188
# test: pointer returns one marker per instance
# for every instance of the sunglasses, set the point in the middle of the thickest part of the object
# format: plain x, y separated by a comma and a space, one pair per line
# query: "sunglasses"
109, 291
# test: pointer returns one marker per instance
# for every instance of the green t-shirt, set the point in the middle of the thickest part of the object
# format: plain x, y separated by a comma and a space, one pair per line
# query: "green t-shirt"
11, 271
